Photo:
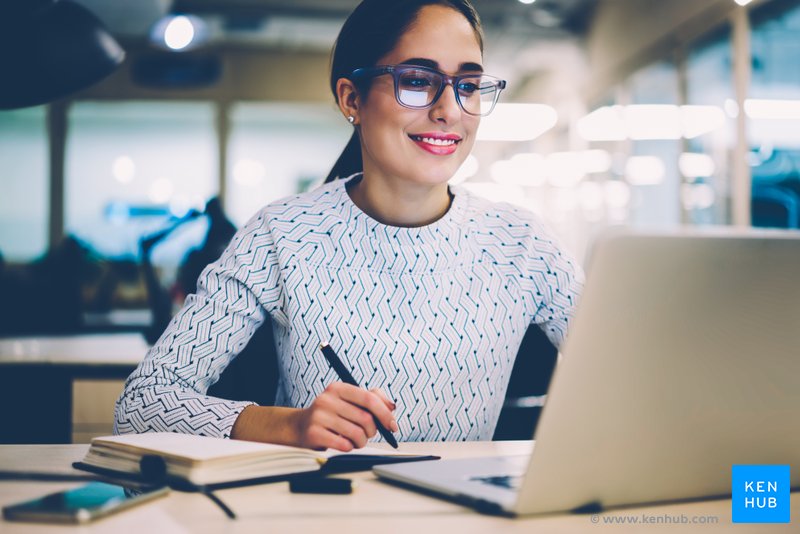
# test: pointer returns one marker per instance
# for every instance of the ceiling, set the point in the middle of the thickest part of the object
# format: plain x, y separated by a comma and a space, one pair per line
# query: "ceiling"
570, 14
264, 21
523, 40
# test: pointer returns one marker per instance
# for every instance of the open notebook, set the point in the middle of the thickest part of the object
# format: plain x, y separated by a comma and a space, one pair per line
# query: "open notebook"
192, 462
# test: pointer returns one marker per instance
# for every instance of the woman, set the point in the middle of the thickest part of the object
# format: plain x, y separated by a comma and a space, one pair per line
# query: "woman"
424, 290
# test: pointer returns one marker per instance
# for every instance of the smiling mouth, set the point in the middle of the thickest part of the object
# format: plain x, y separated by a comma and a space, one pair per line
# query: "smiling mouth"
434, 140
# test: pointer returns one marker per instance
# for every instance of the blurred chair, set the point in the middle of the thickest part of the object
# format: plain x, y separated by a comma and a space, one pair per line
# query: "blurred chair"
774, 206
253, 374
527, 388
776, 190
45, 296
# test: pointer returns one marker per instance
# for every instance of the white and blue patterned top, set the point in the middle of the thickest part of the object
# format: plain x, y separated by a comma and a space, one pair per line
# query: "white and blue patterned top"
433, 315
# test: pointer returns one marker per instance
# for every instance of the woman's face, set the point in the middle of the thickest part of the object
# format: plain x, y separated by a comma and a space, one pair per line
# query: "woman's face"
396, 141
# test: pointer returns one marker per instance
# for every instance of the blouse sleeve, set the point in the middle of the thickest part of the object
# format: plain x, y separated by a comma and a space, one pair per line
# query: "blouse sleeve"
555, 281
166, 392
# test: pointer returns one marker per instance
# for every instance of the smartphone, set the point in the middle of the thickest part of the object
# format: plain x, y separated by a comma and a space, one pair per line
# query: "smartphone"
82, 504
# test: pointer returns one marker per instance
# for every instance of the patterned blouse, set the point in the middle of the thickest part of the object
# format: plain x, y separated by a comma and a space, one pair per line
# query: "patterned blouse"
433, 315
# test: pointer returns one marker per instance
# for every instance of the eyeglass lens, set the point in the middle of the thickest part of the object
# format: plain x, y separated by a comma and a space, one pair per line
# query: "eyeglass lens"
418, 88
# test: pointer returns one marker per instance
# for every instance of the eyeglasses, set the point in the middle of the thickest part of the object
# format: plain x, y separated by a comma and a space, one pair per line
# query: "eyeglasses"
420, 87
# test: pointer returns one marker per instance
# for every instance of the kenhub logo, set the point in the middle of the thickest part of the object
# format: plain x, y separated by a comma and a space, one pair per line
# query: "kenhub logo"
760, 494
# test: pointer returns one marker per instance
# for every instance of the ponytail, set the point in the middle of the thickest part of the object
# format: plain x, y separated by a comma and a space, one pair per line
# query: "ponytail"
349, 161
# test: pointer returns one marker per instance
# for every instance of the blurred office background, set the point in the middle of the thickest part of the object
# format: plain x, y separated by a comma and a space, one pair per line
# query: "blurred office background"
618, 112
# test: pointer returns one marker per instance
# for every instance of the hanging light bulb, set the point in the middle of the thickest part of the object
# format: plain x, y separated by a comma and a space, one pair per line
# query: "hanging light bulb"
179, 33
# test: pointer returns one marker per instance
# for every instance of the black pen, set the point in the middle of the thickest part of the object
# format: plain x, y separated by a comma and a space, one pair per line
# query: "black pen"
347, 378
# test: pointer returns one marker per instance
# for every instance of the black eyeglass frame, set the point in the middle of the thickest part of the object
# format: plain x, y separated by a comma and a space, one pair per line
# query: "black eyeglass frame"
397, 70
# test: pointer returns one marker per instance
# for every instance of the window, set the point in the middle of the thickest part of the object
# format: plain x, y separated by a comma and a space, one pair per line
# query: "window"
131, 167
651, 168
276, 150
706, 161
24, 184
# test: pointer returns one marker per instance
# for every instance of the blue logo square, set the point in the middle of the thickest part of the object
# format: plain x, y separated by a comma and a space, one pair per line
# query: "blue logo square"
760, 494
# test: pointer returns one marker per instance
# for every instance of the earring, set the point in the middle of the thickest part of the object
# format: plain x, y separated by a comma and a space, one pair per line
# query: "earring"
351, 119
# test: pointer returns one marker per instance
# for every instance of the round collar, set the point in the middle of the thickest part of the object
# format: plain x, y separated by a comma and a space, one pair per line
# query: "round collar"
442, 228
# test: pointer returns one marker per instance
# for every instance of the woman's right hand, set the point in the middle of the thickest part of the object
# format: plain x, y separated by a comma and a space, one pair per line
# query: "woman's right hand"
341, 418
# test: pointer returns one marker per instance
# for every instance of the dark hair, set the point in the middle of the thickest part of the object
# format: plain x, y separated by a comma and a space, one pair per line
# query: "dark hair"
368, 34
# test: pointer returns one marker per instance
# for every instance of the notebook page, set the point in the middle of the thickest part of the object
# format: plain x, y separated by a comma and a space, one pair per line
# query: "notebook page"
372, 451
191, 447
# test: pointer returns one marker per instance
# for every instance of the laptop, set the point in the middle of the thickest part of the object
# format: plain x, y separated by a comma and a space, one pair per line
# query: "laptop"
683, 359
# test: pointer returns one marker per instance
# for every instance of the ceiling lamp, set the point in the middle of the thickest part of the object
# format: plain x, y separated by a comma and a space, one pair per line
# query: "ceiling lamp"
179, 33
50, 49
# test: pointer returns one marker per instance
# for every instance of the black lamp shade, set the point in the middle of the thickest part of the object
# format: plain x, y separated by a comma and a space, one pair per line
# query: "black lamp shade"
50, 50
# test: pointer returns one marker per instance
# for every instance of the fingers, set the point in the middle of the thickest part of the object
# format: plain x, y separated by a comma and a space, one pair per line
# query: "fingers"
358, 416
389, 402
343, 417
333, 413
346, 429
370, 401
320, 437
323, 427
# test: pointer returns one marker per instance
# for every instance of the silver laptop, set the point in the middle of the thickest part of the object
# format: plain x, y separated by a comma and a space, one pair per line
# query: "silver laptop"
683, 359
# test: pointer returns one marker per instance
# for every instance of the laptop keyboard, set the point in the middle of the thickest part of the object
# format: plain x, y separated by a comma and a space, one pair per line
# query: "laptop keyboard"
512, 482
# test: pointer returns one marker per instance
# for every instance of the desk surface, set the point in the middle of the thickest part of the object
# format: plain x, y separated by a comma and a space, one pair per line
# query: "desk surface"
88, 349
373, 507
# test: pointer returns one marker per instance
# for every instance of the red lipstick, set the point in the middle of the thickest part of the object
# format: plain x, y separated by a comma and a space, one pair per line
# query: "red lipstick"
438, 143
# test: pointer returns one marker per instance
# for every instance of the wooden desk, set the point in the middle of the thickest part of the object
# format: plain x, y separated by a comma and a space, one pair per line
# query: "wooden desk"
37, 373
374, 507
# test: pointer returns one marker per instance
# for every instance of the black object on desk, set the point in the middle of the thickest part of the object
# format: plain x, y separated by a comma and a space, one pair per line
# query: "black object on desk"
323, 485
347, 378
354, 462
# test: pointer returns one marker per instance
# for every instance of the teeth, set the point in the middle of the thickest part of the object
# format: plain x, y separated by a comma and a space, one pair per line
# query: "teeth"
438, 142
